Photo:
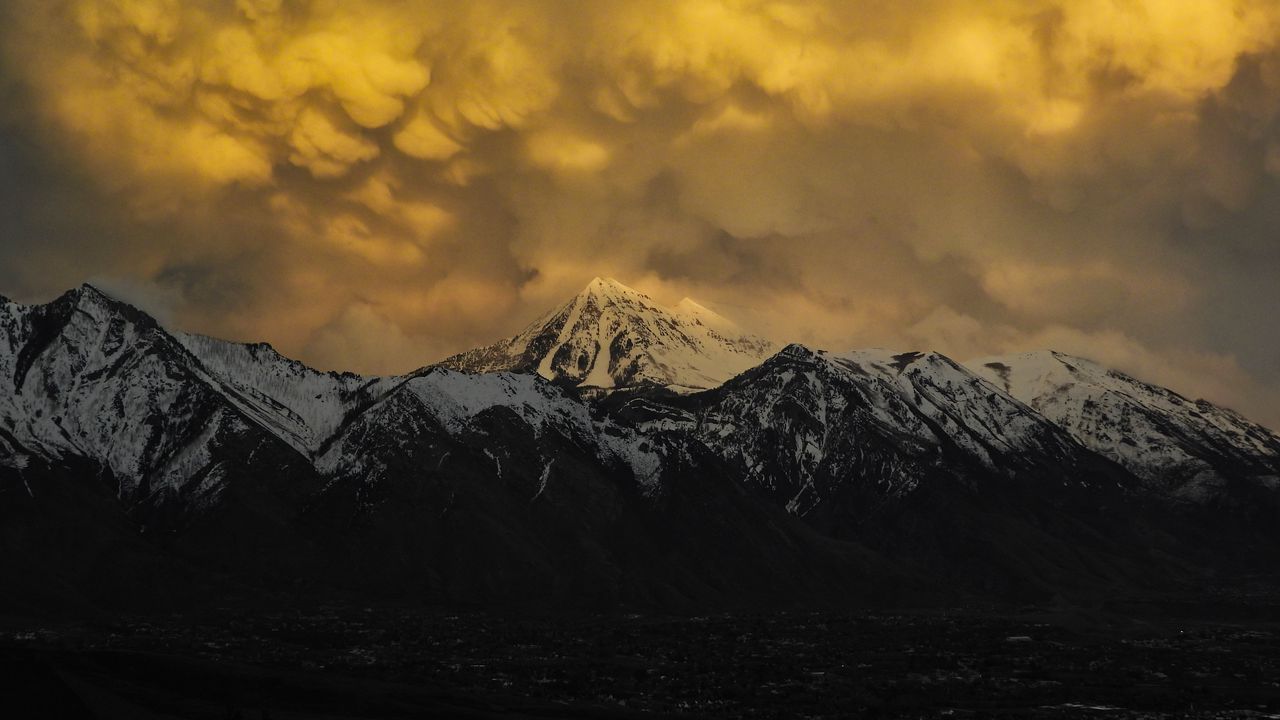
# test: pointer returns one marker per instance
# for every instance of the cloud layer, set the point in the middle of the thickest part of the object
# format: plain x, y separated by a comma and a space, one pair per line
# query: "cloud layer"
373, 185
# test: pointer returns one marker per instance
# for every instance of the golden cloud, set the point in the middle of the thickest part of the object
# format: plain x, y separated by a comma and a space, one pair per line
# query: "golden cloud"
967, 169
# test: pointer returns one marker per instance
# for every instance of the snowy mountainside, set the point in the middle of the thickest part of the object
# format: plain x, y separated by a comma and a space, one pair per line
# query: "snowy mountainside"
87, 377
442, 403
610, 336
14, 329
959, 406
916, 457
303, 406
806, 424
1188, 450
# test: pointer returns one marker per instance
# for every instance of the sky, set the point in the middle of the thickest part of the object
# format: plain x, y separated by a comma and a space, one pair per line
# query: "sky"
375, 185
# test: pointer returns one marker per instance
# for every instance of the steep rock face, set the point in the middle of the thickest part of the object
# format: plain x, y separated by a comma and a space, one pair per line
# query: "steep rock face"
1187, 451
88, 377
610, 336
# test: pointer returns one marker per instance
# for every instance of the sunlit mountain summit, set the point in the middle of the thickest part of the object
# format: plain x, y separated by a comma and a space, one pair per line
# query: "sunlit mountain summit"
610, 336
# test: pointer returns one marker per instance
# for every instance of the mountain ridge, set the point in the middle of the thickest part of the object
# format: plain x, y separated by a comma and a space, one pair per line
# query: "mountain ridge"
1185, 448
827, 468
456, 486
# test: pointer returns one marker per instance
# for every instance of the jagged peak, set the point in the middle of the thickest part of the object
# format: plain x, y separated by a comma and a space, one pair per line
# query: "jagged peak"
83, 293
610, 288
607, 282
93, 290
796, 350
88, 296
610, 335
897, 362
601, 292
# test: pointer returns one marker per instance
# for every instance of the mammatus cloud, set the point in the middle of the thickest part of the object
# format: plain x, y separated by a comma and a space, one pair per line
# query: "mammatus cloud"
373, 185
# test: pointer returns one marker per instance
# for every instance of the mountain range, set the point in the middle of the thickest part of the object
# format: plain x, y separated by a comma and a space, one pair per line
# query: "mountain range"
614, 453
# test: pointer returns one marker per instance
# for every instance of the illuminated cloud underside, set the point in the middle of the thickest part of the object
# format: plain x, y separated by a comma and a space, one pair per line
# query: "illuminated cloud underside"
375, 185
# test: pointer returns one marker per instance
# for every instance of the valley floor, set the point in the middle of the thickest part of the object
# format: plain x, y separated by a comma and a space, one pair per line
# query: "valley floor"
1216, 657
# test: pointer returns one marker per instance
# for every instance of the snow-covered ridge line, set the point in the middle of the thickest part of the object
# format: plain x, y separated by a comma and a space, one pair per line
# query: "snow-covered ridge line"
1188, 449
305, 407
89, 376
455, 401
281, 394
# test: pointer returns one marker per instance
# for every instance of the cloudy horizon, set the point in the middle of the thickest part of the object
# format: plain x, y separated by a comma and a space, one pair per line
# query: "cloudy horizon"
373, 186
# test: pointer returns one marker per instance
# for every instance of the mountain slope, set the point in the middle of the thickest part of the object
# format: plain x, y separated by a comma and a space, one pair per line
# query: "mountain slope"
304, 407
462, 488
920, 459
88, 377
610, 336
1185, 451
805, 423
444, 402
111, 431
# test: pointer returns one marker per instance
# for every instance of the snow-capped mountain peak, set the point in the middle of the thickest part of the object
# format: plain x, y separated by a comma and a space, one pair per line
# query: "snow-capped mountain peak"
609, 286
610, 336
97, 304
